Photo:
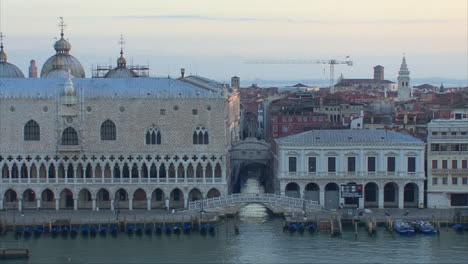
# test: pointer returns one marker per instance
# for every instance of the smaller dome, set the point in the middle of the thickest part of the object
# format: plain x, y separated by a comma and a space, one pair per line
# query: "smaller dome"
62, 46
120, 73
8, 70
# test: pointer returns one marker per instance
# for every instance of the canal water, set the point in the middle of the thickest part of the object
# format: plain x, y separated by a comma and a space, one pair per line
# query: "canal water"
260, 240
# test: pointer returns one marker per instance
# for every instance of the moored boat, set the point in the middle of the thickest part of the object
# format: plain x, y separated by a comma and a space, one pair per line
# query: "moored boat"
403, 228
423, 227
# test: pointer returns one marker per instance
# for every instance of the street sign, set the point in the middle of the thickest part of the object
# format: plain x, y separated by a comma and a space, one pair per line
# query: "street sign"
351, 191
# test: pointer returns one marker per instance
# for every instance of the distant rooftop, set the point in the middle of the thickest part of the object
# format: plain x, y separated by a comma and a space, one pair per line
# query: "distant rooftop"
318, 137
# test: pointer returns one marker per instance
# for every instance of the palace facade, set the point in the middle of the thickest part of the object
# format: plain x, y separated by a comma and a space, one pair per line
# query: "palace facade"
389, 166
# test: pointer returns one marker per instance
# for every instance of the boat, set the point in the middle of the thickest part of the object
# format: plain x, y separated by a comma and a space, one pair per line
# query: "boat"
159, 229
55, 230
94, 230
211, 228
187, 228
19, 231
293, 227
113, 229
39, 230
85, 230
28, 231
75, 230
168, 228
311, 227
301, 227
65, 229
203, 228
139, 230
424, 227
177, 228
102, 230
130, 229
14, 253
149, 229
403, 228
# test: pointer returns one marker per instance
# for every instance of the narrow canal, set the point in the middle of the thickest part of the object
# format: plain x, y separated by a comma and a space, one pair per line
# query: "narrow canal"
260, 240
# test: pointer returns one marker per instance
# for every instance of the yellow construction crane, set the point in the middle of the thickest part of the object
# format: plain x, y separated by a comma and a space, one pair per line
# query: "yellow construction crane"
332, 64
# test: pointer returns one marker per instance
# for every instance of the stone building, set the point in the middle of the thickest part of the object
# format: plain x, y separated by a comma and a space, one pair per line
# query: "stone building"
109, 143
388, 165
447, 162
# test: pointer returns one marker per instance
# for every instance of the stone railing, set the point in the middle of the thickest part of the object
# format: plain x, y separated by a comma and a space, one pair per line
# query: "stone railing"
242, 198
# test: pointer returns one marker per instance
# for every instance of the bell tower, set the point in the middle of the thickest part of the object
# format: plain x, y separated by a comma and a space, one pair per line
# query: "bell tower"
404, 88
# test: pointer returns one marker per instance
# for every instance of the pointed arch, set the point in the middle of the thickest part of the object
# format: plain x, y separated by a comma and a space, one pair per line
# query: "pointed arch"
97, 171
29, 199
195, 195
135, 172
144, 171
61, 171
121, 199
153, 171
125, 171
103, 200
108, 130
107, 171
32, 131
5, 171
14, 171
79, 171
66, 199
116, 171
24, 171
11, 199
158, 199
162, 171
85, 199
212, 193
33, 171
47, 199
176, 198
70, 171
139, 199
199, 171
190, 171
51, 173
180, 171
153, 136
42, 171
218, 171
172, 171
208, 171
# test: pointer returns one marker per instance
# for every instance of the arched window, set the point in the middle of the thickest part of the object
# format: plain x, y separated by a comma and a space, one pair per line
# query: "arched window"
108, 131
153, 136
32, 131
69, 137
200, 136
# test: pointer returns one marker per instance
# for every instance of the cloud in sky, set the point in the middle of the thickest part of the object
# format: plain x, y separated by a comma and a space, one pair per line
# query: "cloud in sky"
279, 20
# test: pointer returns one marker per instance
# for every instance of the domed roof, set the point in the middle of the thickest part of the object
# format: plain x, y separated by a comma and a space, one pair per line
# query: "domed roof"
62, 48
8, 70
121, 71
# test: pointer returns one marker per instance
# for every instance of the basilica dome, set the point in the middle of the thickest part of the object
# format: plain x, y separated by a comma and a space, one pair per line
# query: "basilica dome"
8, 70
62, 48
121, 71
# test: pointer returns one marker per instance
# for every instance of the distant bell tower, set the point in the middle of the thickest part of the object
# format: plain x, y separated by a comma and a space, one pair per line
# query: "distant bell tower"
404, 88
379, 73
235, 82
32, 69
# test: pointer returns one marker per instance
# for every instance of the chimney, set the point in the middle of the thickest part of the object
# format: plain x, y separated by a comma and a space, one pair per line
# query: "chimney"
182, 72
32, 69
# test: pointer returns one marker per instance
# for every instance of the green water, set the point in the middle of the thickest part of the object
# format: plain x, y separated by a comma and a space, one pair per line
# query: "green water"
259, 241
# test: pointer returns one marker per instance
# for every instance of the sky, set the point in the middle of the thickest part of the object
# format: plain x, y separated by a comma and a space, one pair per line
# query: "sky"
214, 38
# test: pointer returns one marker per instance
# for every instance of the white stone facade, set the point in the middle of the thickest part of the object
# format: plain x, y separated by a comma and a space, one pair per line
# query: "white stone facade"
128, 171
404, 88
447, 163
326, 159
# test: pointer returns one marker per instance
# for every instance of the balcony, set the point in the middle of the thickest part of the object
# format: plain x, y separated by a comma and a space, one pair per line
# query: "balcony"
69, 148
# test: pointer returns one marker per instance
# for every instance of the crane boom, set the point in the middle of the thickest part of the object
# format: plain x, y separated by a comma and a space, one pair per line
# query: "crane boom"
331, 62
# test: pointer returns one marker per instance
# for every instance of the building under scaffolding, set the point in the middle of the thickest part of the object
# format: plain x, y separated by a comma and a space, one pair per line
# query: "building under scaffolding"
101, 71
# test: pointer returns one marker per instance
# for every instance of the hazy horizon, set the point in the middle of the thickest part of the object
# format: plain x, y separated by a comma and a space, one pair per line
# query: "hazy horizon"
215, 38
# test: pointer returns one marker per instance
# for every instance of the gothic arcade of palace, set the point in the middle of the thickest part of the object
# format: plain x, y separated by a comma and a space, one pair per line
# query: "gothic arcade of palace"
69, 142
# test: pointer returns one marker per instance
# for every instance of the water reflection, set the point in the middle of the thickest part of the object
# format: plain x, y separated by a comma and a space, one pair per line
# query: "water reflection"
253, 212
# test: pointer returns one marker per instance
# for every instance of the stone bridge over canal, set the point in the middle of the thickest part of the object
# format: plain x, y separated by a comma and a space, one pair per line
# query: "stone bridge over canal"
234, 202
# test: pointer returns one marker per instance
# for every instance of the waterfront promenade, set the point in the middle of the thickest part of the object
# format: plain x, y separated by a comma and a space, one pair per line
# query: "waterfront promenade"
106, 216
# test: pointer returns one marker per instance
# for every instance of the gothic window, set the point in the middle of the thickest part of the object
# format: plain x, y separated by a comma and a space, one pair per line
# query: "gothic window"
200, 136
108, 131
153, 136
69, 137
32, 131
